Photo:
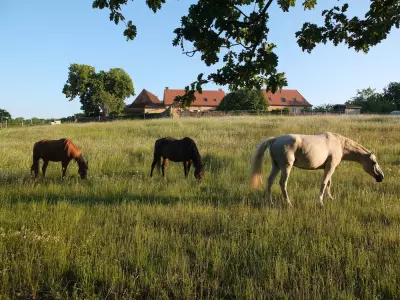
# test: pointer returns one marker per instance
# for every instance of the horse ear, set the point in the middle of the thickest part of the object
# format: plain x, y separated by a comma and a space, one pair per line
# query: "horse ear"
372, 152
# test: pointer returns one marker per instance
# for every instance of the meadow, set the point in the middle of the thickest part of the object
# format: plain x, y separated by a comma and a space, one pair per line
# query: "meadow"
123, 235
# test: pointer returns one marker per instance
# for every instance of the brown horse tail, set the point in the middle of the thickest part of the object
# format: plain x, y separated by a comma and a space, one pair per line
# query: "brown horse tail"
35, 165
256, 164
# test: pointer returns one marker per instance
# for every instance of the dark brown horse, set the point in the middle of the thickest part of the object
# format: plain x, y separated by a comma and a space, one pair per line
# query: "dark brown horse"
62, 150
184, 150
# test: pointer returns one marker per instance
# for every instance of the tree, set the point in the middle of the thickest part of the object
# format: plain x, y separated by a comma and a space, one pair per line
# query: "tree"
4, 115
371, 102
324, 108
243, 99
236, 32
391, 95
100, 93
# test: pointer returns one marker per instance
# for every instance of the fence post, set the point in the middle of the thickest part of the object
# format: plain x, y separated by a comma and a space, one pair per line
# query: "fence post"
6, 123
22, 123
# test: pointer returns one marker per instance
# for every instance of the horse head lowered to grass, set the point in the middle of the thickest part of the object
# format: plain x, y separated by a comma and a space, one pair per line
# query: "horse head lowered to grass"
310, 152
62, 150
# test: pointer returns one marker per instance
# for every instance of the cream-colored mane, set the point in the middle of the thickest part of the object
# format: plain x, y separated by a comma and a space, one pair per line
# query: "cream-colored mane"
349, 143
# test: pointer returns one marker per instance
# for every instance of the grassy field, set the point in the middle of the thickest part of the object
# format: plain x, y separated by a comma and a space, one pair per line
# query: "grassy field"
123, 235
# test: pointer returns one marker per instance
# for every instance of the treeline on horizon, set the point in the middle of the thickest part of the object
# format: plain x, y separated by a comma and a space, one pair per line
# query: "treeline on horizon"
372, 102
368, 99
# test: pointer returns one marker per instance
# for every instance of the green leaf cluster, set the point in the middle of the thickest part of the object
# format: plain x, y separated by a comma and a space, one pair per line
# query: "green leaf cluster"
235, 32
100, 93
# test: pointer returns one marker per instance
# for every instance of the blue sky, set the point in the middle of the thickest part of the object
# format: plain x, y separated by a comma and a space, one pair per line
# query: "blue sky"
40, 39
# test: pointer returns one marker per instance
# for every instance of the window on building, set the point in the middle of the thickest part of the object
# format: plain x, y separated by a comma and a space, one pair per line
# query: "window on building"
295, 100
269, 98
215, 99
205, 99
283, 99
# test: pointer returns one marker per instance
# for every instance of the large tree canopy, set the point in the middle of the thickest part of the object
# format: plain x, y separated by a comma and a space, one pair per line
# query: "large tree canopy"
99, 93
236, 32
373, 102
4, 115
243, 99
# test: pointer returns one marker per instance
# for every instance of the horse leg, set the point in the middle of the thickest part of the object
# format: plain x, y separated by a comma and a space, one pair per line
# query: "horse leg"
285, 172
44, 167
64, 165
271, 179
164, 163
188, 166
329, 169
328, 189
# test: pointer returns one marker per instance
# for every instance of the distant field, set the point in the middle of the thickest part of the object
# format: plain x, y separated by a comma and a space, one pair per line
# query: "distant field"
123, 235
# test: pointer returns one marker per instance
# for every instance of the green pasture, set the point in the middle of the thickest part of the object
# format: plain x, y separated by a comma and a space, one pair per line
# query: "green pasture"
124, 235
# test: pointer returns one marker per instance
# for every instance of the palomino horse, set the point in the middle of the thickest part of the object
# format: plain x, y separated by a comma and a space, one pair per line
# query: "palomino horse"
62, 150
310, 152
184, 150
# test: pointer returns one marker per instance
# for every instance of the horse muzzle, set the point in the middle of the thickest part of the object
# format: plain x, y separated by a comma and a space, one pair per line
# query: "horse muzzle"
379, 178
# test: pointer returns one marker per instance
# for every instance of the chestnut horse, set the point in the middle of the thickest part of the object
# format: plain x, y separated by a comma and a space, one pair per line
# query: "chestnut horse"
62, 150
311, 152
184, 150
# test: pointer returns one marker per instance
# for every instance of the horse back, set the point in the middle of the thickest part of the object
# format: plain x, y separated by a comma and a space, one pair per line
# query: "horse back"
177, 150
305, 151
56, 150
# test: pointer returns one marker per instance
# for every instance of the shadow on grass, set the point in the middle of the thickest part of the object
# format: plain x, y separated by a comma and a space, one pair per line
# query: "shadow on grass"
77, 191
396, 163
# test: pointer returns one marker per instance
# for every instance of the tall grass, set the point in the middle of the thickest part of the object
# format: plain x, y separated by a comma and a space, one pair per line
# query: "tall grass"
124, 235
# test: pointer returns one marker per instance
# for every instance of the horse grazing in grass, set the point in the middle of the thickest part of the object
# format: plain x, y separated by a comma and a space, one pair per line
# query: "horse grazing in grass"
184, 150
62, 150
310, 152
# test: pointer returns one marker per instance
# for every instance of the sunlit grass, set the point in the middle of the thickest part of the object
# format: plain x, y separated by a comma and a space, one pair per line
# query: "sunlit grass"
122, 234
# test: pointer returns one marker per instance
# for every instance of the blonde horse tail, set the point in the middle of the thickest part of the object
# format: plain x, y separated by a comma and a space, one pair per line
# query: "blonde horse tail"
257, 160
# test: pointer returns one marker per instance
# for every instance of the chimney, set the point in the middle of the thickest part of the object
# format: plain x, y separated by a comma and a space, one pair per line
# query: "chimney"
166, 88
220, 89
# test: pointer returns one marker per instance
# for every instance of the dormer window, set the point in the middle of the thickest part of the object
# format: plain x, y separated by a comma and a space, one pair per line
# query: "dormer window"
205, 99
283, 99
295, 100
269, 98
215, 99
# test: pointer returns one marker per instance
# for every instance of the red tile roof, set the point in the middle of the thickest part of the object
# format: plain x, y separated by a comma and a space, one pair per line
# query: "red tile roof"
286, 98
146, 99
210, 98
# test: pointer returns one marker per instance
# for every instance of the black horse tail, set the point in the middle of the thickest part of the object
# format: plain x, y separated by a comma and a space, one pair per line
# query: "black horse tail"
158, 164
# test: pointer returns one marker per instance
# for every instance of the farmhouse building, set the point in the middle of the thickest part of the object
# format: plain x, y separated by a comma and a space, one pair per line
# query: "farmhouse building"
290, 99
147, 102
207, 100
